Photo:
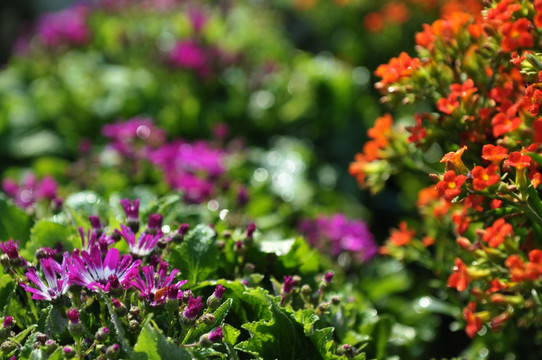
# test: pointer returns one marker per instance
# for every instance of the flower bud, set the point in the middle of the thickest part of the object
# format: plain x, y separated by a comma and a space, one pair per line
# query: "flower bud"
120, 308
112, 352
50, 346
7, 347
211, 338
68, 352
102, 334
208, 319
133, 326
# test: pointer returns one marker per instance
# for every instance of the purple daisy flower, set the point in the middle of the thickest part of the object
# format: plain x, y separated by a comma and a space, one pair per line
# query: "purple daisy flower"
88, 269
56, 280
157, 287
144, 244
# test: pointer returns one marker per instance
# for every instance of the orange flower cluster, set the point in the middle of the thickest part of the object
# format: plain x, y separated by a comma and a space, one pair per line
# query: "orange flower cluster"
481, 74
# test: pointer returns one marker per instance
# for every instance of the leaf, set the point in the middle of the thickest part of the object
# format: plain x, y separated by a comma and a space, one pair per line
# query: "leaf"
381, 335
48, 233
281, 337
18, 339
152, 345
197, 256
301, 256
121, 337
56, 323
14, 222
203, 328
7, 286
230, 339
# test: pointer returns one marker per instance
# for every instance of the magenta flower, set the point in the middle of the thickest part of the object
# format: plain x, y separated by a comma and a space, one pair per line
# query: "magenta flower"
10, 248
145, 243
337, 234
92, 240
198, 19
68, 26
56, 280
193, 308
131, 209
30, 190
288, 284
188, 54
88, 269
135, 137
157, 287
219, 291
216, 335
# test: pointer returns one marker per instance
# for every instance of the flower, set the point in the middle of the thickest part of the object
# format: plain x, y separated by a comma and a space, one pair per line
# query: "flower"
401, 236
493, 153
131, 209
144, 244
450, 186
193, 308
67, 26
460, 278
482, 178
474, 323
216, 335
56, 280
10, 248
516, 34
87, 269
496, 233
288, 284
339, 234
30, 190
518, 160
157, 286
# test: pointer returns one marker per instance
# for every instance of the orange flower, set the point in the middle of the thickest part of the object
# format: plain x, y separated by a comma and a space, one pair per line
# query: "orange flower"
381, 130
496, 233
521, 271
493, 153
516, 34
474, 323
417, 131
397, 68
401, 236
518, 160
453, 160
460, 278
502, 124
482, 178
450, 186
428, 240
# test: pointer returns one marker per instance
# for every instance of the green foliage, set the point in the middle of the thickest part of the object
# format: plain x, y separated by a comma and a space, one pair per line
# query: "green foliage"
14, 222
50, 234
153, 345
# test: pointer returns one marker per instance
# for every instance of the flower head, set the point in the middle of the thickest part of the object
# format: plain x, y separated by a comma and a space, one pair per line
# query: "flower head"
89, 270
158, 286
145, 243
193, 308
56, 280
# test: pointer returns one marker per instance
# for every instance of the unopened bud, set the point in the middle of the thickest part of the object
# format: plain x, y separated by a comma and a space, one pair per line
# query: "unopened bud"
7, 347
68, 352
102, 334
112, 352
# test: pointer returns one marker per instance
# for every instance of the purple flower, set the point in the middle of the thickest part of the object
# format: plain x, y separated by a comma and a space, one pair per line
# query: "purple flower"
73, 315
92, 240
288, 284
7, 322
145, 243
30, 190
198, 19
339, 234
135, 137
328, 276
56, 280
187, 54
88, 269
95, 223
131, 209
157, 287
216, 335
155, 222
193, 308
219, 291
250, 230
10, 248
67, 26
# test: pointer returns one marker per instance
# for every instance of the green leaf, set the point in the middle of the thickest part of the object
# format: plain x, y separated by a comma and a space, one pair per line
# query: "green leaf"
281, 337
301, 256
153, 345
48, 233
197, 256
230, 339
121, 337
7, 286
56, 355
203, 328
56, 323
381, 335
14, 222
18, 339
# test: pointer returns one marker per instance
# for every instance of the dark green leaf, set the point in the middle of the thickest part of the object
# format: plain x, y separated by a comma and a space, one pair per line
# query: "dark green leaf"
197, 256
7, 285
121, 337
153, 345
230, 339
301, 256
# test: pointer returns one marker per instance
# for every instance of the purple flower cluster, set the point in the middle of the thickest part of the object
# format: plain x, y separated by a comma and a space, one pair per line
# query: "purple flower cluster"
190, 167
64, 27
98, 267
135, 137
31, 190
338, 234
